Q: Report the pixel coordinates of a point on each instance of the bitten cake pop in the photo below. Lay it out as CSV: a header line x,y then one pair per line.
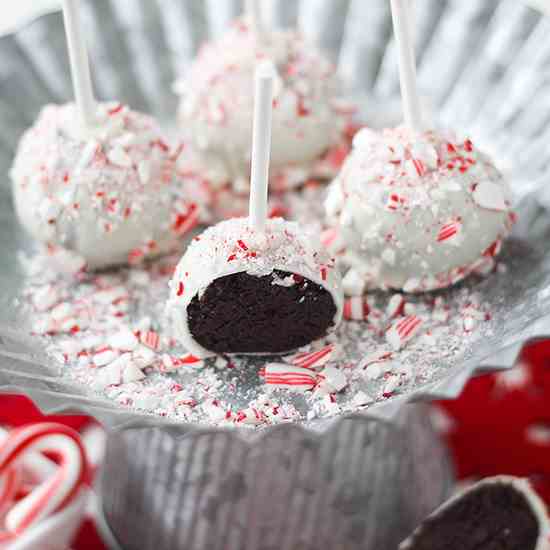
x,y
253,285
499,513
98,179
417,209
215,113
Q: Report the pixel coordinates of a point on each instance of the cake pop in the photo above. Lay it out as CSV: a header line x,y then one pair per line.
x,y
253,285
99,179
309,113
500,512
417,209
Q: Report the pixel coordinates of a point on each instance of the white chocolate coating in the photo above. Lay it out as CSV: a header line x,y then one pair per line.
x,y
110,196
418,212
233,247
216,108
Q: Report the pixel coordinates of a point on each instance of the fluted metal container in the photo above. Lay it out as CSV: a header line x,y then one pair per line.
x,y
361,484
365,480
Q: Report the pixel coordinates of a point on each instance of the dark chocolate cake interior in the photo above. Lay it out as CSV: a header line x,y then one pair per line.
x,y
242,313
493,517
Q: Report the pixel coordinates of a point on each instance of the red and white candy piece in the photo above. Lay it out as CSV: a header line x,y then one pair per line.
x,y
450,233
280,375
403,331
151,339
313,359
36,466
356,309
58,490
395,201
396,306
415,168
170,363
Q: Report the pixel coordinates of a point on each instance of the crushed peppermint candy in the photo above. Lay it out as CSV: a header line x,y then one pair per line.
x,y
124,349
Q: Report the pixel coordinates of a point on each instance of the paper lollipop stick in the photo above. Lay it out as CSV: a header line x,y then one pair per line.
x,y
261,144
254,12
80,68
402,24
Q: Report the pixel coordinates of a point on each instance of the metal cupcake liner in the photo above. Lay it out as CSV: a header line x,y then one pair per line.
x,y
360,479
364,483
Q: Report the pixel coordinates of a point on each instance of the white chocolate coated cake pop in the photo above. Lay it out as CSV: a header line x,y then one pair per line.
x,y
215,113
416,209
238,290
98,179
254,285
111,197
418,212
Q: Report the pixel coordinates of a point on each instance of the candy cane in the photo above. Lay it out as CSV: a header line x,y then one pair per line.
x,y
58,490
35,465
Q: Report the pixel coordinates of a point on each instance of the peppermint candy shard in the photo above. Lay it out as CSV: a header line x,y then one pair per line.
x,y
313,359
356,309
280,375
449,232
404,330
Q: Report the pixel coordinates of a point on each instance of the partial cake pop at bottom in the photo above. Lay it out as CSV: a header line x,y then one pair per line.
x,y
501,513
418,212
237,290
109,194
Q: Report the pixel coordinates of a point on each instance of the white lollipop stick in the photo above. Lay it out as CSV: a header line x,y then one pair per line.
x,y
402,24
254,12
80,67
58,490
261,144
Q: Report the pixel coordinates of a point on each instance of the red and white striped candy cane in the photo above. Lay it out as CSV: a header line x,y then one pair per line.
x,y
58,490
